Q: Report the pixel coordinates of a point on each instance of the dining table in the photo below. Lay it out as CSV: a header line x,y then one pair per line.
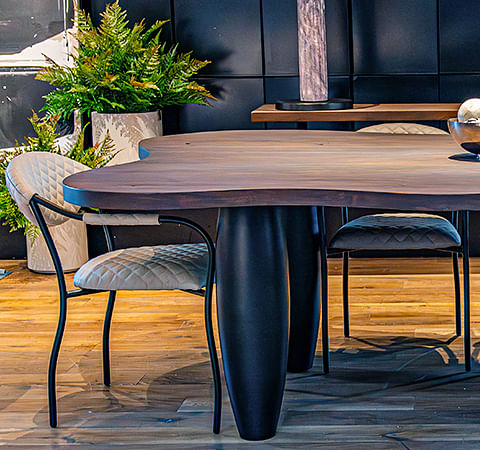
x,y
267,185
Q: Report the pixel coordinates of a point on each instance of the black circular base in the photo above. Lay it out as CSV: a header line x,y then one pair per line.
x,y
470,157
298,105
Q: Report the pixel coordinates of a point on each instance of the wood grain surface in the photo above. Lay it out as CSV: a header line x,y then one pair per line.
x,y
285,167
395,112
399,382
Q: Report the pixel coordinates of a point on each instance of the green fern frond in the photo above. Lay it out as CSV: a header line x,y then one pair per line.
x,y
109,56
152,35
97,156
84,22
114,24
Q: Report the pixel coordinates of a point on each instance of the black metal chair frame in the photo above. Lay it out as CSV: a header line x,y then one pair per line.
x,y
36,203
455,251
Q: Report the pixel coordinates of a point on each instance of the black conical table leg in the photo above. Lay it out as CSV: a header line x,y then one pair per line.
x,y
302,243
324,288
466,290
253,315
458,296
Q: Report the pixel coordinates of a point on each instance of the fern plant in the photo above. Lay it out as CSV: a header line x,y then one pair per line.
x,y
121,69
44,141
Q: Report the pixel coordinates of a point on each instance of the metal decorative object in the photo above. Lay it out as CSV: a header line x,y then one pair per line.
x,y
467,136
312,61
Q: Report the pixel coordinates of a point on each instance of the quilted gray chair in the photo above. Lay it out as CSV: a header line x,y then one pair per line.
x,y
401,128
35,182
399,231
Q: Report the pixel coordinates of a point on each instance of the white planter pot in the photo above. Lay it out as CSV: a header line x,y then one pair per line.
x,y
126,131
71,242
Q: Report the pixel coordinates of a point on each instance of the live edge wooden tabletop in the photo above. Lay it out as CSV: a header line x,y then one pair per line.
x,y
285,167
360,112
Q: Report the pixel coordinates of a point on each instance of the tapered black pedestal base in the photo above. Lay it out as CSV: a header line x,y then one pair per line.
x,y
302,243
253,315
298,105
252,301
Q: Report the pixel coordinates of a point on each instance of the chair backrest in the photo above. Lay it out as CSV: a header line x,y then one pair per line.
x,y
401,128
41,173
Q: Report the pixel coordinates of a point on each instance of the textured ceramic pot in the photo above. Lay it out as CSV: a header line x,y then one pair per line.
x,y
71,241
126,131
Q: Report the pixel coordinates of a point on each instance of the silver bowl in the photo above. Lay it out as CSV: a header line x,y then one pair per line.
x,y
466,135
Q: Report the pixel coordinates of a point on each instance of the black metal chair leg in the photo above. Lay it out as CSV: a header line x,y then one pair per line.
x,y
324,289
212,349
325,338
466,290
346,313
458,300
106,338
52,366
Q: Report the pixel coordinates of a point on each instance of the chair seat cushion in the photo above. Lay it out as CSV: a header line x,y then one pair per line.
x,y
146,268
401,128
396,232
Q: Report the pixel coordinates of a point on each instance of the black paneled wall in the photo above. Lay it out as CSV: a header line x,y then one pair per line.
x,y
378,51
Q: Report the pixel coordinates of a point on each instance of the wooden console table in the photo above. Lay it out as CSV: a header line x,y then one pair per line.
x,y
387,112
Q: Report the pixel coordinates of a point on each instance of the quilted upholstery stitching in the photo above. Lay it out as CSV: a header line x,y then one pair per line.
x,y
402,128
142,268
396,231
41,173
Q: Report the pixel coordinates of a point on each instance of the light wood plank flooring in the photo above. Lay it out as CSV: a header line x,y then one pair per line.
x,y
397,383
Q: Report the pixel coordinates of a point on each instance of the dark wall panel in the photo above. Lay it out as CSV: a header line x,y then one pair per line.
x,y
395,89
137,10
457,88
280,36
227,33
236,97
338,52
281,88
458,35
19,94
12,245
392,36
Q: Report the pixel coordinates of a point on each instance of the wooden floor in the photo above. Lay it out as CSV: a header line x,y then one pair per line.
x,y
398,383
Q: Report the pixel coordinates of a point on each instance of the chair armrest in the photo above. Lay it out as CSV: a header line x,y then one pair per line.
x,y
37,200
121,219
107,220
